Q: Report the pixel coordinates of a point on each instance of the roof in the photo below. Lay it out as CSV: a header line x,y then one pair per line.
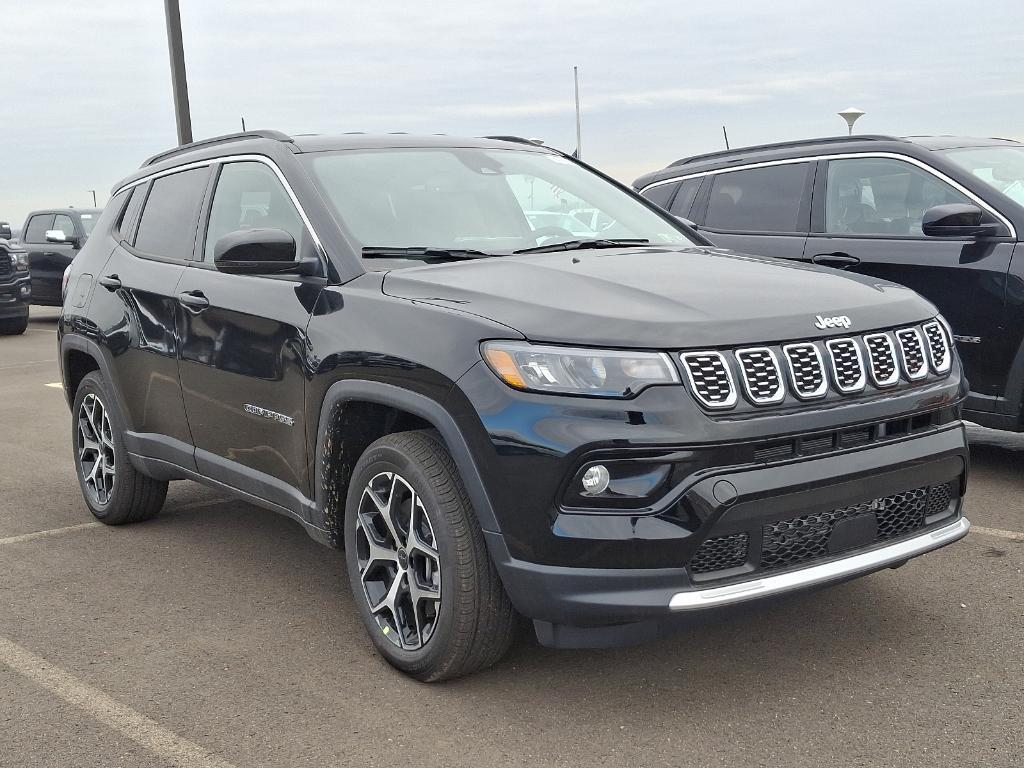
x,y
69,211
826,145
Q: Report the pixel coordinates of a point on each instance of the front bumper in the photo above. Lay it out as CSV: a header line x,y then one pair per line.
x,y
15,296
595,607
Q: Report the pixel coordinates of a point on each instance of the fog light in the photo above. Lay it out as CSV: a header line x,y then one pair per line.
x,y
596,480
25,290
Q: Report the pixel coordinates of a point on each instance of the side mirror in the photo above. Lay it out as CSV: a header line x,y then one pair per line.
x,y
56,236
260,252
957,220
5,231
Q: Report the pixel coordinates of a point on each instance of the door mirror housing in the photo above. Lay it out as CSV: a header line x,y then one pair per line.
x,y
957,220
5,231
260,252
56,236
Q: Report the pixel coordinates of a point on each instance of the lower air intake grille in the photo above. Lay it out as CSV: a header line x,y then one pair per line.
x,y
710,379
720,553
806,370
795,541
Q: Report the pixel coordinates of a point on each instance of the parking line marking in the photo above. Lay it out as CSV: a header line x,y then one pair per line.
x,y
136,726
1011,535
55,385
46,534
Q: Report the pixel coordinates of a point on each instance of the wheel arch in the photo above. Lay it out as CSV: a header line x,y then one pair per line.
x,y
418,412
78,357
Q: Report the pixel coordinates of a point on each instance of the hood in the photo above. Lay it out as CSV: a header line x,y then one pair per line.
x,y
659,298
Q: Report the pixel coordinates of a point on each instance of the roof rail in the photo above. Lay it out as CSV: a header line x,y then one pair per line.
x,y
515,139
264,134
783,145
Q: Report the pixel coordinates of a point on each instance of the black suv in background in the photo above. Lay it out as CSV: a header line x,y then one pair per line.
x,y
602,433
53,238
940,214
15,289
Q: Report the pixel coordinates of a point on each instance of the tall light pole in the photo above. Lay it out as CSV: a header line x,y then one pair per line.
x,y
576,84
850,115
179,84
93,191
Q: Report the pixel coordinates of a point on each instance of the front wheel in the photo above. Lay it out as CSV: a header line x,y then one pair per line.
x,y
13,326
422,579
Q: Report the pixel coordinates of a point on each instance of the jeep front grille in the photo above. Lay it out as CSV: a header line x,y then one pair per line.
x,y
884,367
847,365
768,374
912,354
760,373
710,379
806,371
938,346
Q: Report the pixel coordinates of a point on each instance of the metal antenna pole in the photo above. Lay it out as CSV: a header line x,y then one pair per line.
x,y
179,84
93,197
243,125
726,135
576,82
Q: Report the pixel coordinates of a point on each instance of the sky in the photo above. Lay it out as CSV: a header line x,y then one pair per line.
x,y
87,96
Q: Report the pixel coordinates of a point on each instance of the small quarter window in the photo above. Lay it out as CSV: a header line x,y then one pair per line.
x,y
684,199
759,199
660,194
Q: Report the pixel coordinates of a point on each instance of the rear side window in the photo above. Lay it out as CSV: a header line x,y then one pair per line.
x,y
168,225
758,200
661,194
684,200
35,232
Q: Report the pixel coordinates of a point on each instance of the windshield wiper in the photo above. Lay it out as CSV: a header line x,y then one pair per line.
x,y
575,245
387,252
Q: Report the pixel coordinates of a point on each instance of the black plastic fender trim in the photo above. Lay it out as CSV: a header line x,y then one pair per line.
x,y
419,405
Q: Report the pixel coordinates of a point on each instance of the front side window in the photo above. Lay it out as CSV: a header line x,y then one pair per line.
x,y
250,196
37,227
491,200
765,199
65,225
1002,168
168,224
882,196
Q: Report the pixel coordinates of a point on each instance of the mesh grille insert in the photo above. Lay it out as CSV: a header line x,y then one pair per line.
x,y
847,366
710,378
882,359
720,553
800,539
6,265
761,377
806,370
938,347
912,353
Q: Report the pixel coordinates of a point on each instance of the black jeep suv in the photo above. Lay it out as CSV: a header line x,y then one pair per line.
x,y
939,214
604,431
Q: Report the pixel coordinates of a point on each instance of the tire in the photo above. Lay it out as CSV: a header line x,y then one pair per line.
x,y
470,624
13,326
115,492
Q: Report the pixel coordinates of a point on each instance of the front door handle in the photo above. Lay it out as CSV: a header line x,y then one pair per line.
x,y
194,300
839,260
110,282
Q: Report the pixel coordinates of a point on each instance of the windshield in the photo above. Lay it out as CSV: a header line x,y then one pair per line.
x,y
488,200
1000,167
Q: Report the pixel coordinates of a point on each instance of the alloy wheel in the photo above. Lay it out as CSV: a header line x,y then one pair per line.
x,y
398,561
96,449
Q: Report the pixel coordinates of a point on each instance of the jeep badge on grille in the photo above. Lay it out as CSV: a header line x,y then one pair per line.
x,y
838,321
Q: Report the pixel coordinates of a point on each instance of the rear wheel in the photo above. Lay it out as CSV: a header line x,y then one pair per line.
x,y
114,490
13,326
422,579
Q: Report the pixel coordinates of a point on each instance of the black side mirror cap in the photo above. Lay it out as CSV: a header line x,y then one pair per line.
x,y
260,252
957,220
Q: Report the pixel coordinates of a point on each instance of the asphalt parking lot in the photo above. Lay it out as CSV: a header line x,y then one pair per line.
x,y
219,634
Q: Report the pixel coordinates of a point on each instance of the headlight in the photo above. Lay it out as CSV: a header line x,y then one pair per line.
x,y
20,260
595,372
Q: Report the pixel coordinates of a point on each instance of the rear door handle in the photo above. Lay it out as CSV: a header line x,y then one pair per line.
x,y
839,260
110,282
194,300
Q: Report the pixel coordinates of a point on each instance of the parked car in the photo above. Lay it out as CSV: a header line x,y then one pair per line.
x,y
53,238
603,435
940,214
15,289
5,231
